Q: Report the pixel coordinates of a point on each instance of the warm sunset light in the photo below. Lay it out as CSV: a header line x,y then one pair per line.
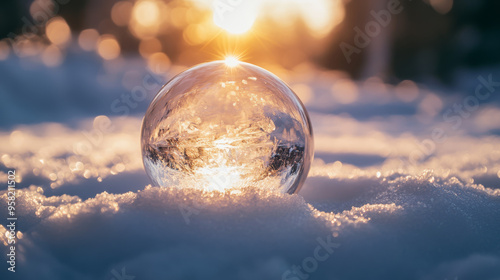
x,y
232,129
147,18
236,17
221,178
250,139
146,13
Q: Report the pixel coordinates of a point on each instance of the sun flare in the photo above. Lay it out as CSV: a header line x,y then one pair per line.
x,y
231,61
236,17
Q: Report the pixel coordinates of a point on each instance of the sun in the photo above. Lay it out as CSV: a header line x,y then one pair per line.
x,y
231,61
236,17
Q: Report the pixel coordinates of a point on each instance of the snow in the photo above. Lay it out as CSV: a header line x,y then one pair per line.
x,y
394,205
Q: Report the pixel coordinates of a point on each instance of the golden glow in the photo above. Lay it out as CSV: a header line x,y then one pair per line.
x,y
208,27
146,13
320,16
195,34
148,18
236,17
178,17
108,47
221,178
249,144
231,61
58,31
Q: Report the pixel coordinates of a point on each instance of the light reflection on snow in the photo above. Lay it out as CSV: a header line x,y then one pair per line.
x,y
391,190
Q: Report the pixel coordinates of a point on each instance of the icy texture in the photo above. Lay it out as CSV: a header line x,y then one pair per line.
x,y
219,126
194,234
436,218
431,224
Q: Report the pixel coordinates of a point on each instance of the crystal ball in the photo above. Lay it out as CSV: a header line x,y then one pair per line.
x,y
227,125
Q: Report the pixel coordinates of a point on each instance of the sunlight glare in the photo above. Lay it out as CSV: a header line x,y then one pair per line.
x,y
221,178
231,61
236,17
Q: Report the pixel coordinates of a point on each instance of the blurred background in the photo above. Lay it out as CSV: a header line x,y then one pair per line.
x,y
61,60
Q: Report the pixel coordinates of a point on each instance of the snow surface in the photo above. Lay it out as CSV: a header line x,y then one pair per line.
x,y
394,205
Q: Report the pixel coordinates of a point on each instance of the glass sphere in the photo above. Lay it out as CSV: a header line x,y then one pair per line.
x,y
227,125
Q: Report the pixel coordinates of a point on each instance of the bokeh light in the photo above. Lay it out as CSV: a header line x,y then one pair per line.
x,y
52,56
58,31
345,91
108,47
146,13
159,63
407,91
121,12
148,18
88,38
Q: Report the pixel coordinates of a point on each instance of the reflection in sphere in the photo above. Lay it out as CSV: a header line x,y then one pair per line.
x,y
224,126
